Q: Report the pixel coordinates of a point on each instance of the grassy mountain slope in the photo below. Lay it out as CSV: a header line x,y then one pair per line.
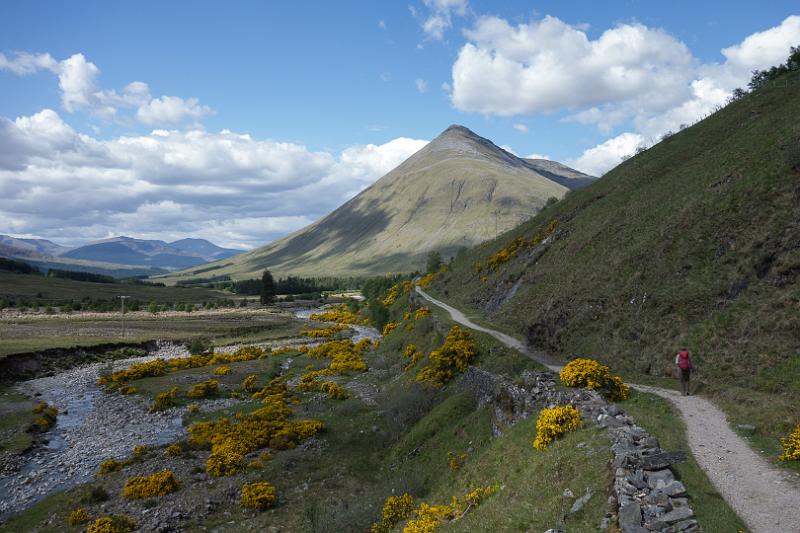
x,y
695,242
457,191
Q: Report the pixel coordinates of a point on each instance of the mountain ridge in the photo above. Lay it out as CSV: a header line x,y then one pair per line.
x,y
458,190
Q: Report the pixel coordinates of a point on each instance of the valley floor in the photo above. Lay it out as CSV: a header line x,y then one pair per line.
x,y
764,496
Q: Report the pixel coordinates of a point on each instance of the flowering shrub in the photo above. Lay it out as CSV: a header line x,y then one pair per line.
x,y
396,509
340,314
422,312
192,408
127,389
165,400
222,370
174,450
160,367
413,355
324,333
45,420
428,518
79,516
389,327
110,465
391,296
159,484
268,426
453,356
426,280
249,383
345,354
517,245
554,422
791,446
596,376
204,389
456,461
260,495
140,450
334,390
119,524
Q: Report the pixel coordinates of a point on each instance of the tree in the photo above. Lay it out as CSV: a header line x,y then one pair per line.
x,y
378,314
434,262
267,288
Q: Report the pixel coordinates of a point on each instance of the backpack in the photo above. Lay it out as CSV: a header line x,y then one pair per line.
x,y
683,361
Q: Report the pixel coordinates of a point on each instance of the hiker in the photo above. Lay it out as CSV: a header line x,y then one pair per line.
x,y
685,367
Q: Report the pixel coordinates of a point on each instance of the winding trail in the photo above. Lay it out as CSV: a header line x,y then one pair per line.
x,y
766,498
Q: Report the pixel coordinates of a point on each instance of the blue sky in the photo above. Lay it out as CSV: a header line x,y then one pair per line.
x,y
331,96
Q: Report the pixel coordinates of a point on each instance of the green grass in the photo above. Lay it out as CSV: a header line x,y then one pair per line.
x,y
661,420
53,291
28,334
15,416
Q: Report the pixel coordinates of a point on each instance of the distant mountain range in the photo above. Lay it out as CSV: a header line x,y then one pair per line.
x,y
118,256
457,191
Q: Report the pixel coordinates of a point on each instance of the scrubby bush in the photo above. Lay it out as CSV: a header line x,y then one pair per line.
x,y
456,461
249,383
110,465
389,327
596,376
174,450
428,518
165,400
791,446
395,510
204,389
333,390
222,370
452,357
199,346
159,484
259,495
554,422
79,516
117,524
45,420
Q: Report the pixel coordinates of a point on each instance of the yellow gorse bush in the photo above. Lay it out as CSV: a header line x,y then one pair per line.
x,y
554,422
45,420
259,495
204,389
456,461
222,370
515,247
174,450
160,367
389,327
158,484
79,516
395,510
324,333
268,426
165,400
340,314
413,355
119,524
428,518
426,280
791,446
452,357
249,383
422,312
596,376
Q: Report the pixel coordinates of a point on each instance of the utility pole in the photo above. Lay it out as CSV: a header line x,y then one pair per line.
x,y
122,303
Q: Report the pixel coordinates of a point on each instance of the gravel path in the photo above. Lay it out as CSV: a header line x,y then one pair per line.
x,y
766,498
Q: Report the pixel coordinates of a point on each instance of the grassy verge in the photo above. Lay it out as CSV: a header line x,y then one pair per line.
x,y
663,421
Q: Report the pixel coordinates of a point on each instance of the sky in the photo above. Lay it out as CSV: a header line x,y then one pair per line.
x,y
241,122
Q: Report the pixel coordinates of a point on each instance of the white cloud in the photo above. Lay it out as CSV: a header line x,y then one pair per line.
x,y
596,161
440,16
630,75
537,156
522,128
548,65
226,186
382,24
422,85
77,79
171,110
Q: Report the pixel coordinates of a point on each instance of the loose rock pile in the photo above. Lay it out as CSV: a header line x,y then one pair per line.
x,y
647,497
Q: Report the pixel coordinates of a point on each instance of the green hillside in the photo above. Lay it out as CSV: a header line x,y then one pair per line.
x,y
458,191
695,242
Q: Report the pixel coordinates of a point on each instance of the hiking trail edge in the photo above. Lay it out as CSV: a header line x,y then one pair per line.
x,y
765,498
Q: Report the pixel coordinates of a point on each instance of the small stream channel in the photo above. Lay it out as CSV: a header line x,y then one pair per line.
x,y
93,426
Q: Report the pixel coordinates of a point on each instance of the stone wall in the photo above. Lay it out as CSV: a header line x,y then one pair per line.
x,y
646,496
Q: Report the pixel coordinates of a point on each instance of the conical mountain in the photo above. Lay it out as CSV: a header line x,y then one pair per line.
x,y
458,190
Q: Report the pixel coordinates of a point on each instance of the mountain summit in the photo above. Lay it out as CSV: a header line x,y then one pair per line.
x,y
457,191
